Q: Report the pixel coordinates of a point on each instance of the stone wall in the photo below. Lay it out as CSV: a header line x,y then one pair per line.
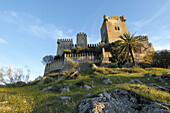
x,y
112,28
82,40
54,66
80,58
64,44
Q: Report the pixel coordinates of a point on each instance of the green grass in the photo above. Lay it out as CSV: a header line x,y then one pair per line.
x,y
32,99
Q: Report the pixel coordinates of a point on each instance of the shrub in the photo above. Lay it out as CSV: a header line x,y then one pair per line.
x,y
89,63
67,51
48,80
144,65
80,83
73,64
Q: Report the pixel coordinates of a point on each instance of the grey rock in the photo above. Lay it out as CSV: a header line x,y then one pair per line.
x,y
87,87
120,101
64,89
167,89
135,81
41,81
88,94
106,80
92,82
65,99
47,88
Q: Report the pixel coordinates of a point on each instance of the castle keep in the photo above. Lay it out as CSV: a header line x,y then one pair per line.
x,y
99,53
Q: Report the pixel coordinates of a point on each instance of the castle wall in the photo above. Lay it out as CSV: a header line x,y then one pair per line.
x,y
80,58
63,44
53,66
112,28
82,40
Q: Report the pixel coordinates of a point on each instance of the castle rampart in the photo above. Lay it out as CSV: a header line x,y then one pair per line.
x,y
80,58
81,40
63,44
53,66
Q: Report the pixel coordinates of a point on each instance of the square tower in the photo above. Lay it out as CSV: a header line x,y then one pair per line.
x,y
112,28
82,40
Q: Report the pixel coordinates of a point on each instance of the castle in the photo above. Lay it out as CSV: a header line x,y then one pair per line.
x,y
98,53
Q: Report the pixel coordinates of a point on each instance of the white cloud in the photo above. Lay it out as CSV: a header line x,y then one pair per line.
x,y
137,25
2,41
32,25
48,31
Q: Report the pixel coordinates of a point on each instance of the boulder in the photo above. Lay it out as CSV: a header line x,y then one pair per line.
x,y
167,89
87,87
120,101
164,79
106,80
47,88
65,99
64,89
135,81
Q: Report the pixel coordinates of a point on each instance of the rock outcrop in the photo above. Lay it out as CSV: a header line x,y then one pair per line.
x,y
120,101
106,80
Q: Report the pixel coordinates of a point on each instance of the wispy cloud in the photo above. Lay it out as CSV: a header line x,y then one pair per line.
x,y
33,25
139,24
2,41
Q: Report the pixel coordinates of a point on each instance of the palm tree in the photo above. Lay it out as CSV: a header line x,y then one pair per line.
x,y
128,45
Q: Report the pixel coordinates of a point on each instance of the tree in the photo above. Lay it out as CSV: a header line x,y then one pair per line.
x,y
47,59
117,57
128,45
161,59
12,76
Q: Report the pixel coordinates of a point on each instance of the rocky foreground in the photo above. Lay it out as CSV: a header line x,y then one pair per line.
x,y
121,101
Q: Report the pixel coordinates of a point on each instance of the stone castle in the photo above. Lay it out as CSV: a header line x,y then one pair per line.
x,y
98,53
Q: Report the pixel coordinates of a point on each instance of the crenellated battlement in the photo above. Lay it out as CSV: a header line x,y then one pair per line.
x,y
143,38
82,34
80,57
122,18
91,45
64,40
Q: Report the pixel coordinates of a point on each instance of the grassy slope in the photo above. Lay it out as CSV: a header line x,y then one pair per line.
x,y
32,99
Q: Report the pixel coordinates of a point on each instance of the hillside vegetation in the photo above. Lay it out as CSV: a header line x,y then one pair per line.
x,y
31,98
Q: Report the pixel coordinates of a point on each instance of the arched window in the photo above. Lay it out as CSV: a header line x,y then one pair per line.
x,y
118,28
115,28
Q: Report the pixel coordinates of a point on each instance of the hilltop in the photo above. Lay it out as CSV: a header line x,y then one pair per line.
x,y
149,88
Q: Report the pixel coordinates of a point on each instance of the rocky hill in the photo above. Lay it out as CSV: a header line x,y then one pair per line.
x,y
100,90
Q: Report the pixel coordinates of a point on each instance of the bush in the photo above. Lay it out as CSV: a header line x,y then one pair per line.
x,y
48,80
161,59
73,64
89,63
144,65
67,51
80,83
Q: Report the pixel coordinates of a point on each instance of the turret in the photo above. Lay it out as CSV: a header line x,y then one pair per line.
x,y
81,40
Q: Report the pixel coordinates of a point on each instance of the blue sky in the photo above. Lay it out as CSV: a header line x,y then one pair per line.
x,y
29,28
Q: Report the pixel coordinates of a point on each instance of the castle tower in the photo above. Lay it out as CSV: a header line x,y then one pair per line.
x,y
82,40
64,44
112,28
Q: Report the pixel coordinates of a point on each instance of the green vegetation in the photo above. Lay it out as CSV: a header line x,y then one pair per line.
x,y
76,49
67,51
126,47
33,99
161,59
